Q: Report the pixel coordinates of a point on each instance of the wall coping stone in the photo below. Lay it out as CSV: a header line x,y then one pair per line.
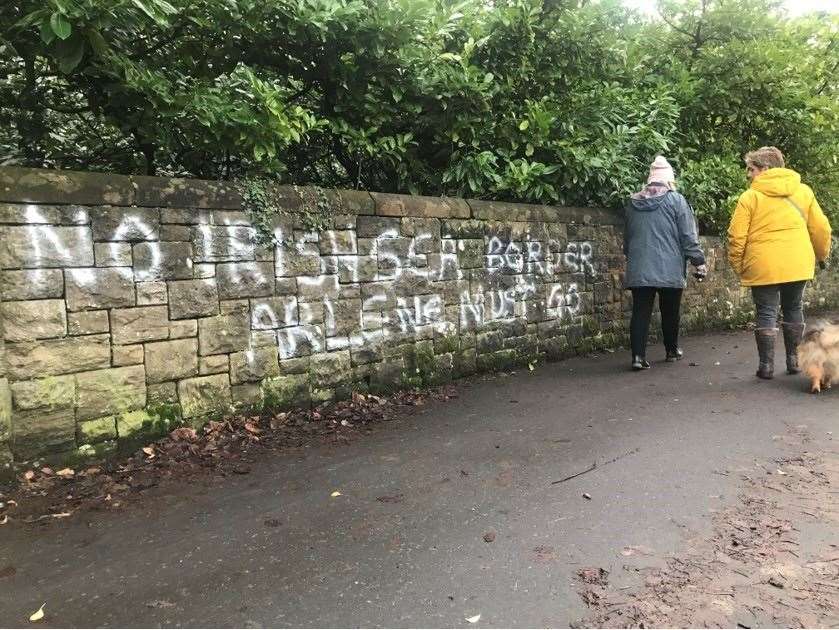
x,y
57,187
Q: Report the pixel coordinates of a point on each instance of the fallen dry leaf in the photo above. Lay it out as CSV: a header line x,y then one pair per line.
x,y
29,475
474,619
251,427
47,470
149,451
66,473
335,494
489,537
184,433
38,614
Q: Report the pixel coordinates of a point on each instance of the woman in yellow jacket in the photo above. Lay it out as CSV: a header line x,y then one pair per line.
x,y
776,235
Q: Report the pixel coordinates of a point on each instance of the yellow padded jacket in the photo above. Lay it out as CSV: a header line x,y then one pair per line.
x,y
769,240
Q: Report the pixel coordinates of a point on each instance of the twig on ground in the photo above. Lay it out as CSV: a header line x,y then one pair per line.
x,y
582,472
594,466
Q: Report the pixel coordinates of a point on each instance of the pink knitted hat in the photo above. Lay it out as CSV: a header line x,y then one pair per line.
x,y
661,171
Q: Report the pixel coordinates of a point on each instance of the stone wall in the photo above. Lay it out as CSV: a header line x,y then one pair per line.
x,y
129,304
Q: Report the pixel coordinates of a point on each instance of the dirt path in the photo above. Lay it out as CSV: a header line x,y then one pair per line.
x,y
772,559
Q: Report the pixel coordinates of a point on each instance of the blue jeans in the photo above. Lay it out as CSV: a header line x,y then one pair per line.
x,y
790,297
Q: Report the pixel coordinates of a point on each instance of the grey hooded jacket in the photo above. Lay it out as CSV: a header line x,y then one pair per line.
x,y
660,235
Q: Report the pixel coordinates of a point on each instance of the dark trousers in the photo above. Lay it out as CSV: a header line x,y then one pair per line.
x,y
790,297
669,303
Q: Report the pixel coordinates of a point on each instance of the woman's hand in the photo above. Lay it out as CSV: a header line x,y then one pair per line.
x,y
699,272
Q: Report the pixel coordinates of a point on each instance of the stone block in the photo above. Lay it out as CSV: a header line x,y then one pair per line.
x,y
246,396
470,253
98,430
57,356
213,364
234,307
465,228
45,246
29,214
317,288
169,192
357,268
300,341
33,319
285,286
185,216
365,349
378,227
64,187
125,224
342,317
88,323
183,328
394,252
74,215
51,393
162,261
171,360
330,369
181,233
127,355
149,293
338,242
274,312
112,391
297,259
214,243
421,229
38,432
490,341
244,280
138,324
193,298
112,254
263,338
377,296
97,288
204,270
286,391
391,205
204,395
351,202
299,365
224,334
161,394
31,284
310,312
253,365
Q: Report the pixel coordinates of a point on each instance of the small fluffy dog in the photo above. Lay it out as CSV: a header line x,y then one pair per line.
x,y
818,355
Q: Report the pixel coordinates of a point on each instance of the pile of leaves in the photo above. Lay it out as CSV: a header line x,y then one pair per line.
x,y
221,448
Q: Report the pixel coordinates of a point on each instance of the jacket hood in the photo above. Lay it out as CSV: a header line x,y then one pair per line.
x,y
777,182
647,204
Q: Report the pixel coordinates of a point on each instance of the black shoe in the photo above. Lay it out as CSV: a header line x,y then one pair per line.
x,y
640,363
674,355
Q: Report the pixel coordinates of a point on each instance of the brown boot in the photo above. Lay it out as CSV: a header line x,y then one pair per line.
x,y
765,338
792,337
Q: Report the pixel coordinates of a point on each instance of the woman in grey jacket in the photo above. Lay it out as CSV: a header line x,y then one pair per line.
x,y
660,235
